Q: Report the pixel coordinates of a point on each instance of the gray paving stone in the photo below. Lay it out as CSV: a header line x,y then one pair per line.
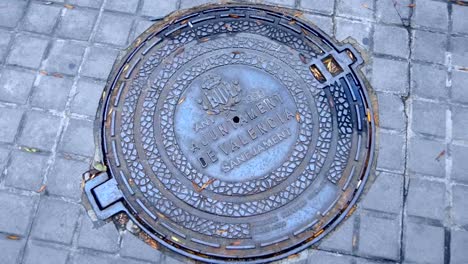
x,y
192,3
390,76
51,92
5,37
77,23
424,243
43,254
16,213
460,203
460,87
391,152
99,62
325,6
359,31
128,6
431,14
103,239
397,45
39,130
65,179
87,97
391,111
27,51
322,257
158,9
3,158
41,18
78,138
460,123
11,12
355,8
386,194
26,170
11,250
88,3
458,246
459,15
423,155
141,26
9,123
341,239
459,163
64,57
379,237
325,23
84,258
114,29
15,85
287,3
135,248
426,199
460,51
429,46
429,81
388,12
424,114
56,221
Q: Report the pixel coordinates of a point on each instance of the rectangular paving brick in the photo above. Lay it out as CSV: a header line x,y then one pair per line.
x,y
99,62
426,199
86,99
460,122
355,8
429,81
5,37
9,122
424,243
397,45
15,85
342,237
51,92
41,18
114,29
56,221
325,6
379,237
429,46
458,246
104,238
135,248
359,31
423,157
431,14
158,9
459,15
459,163
391,152
37,253
11,250
390,75
460,203
424,113
26,170
459,84
460,51
77,23
65,178
386,194
27,51
11,12
391,111
78,138
64,57
128,6
16,212
39,130
390,11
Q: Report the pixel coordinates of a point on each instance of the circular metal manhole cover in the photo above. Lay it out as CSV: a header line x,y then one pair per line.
x,y
234,133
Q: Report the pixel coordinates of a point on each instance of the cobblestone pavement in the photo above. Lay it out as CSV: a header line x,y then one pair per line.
x,y
54,60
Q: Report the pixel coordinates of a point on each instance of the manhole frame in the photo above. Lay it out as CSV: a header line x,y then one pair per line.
x,y
114,208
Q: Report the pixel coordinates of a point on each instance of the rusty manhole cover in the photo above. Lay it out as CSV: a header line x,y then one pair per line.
x,y
234,133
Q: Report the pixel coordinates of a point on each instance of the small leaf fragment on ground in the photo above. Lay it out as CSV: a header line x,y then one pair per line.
x,y
43,187
411,5
100,167
30,150
67,6
13,237
441,154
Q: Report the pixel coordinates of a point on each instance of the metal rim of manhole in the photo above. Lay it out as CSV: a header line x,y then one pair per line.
x,y
234,132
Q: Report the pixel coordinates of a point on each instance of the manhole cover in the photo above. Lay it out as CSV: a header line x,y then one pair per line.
x,y
234,133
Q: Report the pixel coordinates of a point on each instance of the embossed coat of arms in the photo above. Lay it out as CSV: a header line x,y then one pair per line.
x,y
219,95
